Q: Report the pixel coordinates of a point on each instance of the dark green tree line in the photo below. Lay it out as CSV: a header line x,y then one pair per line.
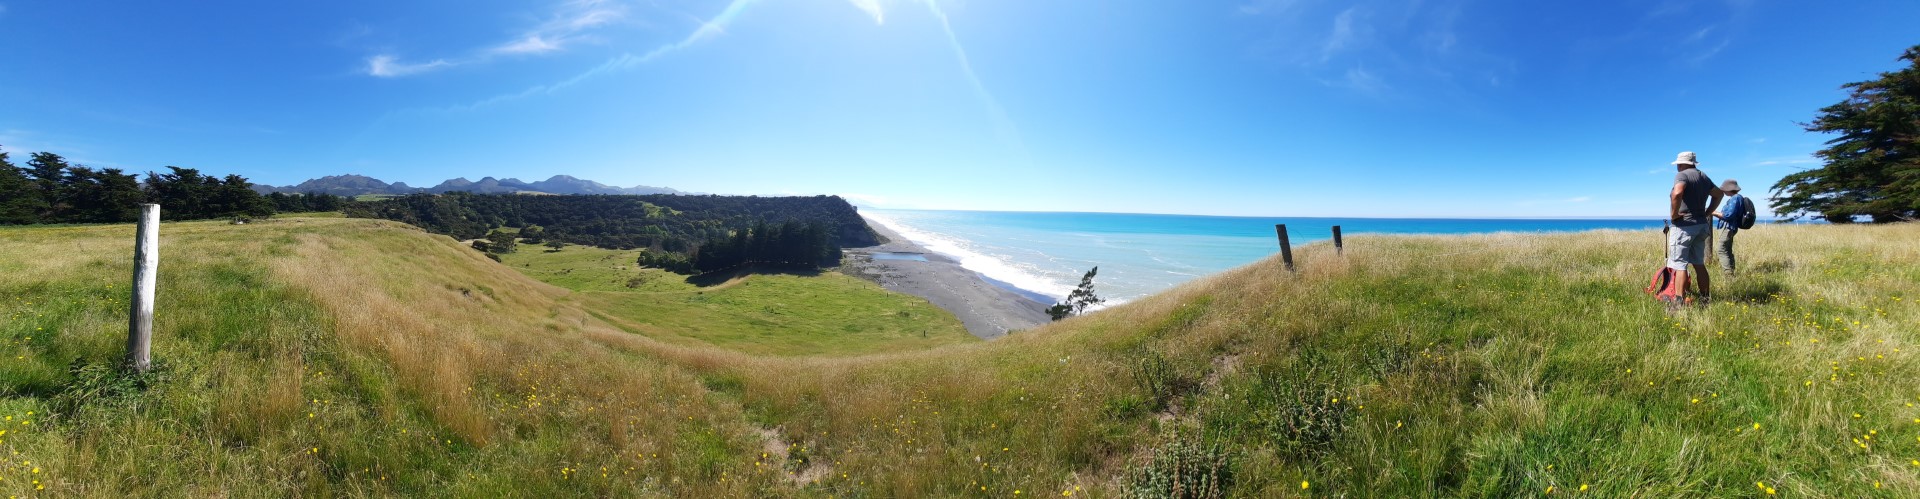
x,y
311,201
791,244
668,223
49,189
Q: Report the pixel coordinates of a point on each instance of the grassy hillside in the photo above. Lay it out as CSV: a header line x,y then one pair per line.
x,y
354,357
810,313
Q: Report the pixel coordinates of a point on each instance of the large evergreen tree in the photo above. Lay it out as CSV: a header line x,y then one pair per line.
x,y
1873,167
103,196
49,172
183,193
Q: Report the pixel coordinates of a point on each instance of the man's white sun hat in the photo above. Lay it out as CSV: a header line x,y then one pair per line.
x,y
1686,158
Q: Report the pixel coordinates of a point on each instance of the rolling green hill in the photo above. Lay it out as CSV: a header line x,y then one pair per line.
x,y
360,357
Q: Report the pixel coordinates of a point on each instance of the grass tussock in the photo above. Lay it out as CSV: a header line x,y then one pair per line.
x,y
352,357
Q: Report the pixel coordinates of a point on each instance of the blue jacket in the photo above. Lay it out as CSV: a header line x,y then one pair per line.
x,y
1729,209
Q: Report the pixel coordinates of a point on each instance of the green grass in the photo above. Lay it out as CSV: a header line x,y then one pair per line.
x,y
1496,365
586,268
776,313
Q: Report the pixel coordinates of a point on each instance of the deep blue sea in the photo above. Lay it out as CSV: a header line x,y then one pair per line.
x,y
1139,255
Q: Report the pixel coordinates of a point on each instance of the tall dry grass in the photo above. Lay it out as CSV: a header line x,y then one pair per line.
x,y
353,357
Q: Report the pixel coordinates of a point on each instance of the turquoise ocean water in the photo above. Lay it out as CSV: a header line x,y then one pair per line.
x,y
1046,253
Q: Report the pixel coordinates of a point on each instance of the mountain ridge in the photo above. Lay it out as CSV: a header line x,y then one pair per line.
x,y
356,185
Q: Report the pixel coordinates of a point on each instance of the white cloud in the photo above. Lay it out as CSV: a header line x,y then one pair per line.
x,y
872,8
388,66
568,24
1579,199
532,44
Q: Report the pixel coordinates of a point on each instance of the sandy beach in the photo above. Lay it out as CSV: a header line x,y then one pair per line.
x,y
988,311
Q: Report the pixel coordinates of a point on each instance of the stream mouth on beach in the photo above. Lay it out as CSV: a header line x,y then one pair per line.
x,y
899,255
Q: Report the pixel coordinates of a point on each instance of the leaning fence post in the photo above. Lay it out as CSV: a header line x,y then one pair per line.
x,y
1338,249
1286,248
146,264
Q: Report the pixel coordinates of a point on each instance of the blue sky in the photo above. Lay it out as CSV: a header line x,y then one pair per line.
x,y
1251,107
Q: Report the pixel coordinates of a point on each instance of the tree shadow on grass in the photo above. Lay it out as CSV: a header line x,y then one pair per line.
x,y
1770,266
719,277
1753,289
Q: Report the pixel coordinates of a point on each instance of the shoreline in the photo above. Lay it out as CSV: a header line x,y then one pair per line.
x,y
988,309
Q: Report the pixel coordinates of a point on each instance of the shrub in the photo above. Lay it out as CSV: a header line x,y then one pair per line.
x,y
1184,467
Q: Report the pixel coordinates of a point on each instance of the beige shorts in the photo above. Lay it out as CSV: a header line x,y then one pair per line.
x,y
1687,245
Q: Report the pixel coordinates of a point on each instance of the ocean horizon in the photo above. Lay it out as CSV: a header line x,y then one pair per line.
x,y
1044,254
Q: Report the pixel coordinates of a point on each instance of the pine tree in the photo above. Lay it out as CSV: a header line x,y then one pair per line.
x,y
1873,167
1077,301
21,200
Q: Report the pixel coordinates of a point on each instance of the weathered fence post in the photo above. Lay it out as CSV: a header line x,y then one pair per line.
x,y
1286,248
146,265
1338,249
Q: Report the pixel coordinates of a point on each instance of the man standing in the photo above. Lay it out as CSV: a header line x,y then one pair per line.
x,y
1726,223
1689,212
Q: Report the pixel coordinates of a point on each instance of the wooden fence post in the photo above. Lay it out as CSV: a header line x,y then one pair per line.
x,y
1338,249
1286,248
146,264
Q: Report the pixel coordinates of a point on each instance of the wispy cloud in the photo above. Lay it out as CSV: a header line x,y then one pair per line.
x,y
715,27
1003,125
569,24
706,30
1378,48
20,143
1578,199
386,66
1700,35
1358,78
1795,161
872,8
1342,36
3,9
1703,55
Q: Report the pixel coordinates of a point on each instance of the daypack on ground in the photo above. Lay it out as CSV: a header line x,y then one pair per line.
x,y
1670,286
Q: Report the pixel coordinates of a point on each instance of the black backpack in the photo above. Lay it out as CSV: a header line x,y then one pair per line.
x,y
1744,214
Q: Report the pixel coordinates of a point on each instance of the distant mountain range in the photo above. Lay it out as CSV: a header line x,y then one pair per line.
x,y
355,185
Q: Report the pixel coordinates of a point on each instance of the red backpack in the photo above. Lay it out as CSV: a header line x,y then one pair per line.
x,y
1670,286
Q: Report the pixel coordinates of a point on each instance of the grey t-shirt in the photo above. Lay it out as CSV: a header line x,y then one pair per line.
x,y
1693,201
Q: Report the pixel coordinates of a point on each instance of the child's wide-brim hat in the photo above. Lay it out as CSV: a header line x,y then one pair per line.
x,y
1730,185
